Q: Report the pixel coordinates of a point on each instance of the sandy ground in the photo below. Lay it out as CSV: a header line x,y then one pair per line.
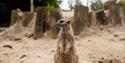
x,y
91,46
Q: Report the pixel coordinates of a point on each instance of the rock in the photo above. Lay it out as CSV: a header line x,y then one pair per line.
x,y
52,51
123,39
17,39
23,56
116,35
8,46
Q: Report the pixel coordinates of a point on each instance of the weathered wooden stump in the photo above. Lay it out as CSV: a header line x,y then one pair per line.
x,y
22,18
81,14
28,16
13,17
124,10
116,13
122,16
101,17
92,18
40,22
45,21
114,16
53,16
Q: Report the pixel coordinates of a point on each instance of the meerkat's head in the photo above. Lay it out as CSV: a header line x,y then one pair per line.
x,y
64,24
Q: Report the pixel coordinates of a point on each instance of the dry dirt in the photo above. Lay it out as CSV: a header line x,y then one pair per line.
x,y
92,45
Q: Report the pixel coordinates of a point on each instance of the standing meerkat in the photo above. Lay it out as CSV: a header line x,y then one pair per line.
x,y
65,52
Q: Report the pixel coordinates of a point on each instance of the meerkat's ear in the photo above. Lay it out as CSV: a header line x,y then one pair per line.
x,y
68,22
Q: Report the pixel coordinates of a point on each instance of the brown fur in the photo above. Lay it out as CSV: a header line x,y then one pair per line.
x,y
65,46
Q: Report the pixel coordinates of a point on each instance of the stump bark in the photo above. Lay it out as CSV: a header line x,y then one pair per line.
x,y
81,21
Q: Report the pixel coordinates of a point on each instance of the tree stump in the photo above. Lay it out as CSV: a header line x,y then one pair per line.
x,y
40,22
101,17
28,17
124,13
13,17
122,16
45,21
53,16
114,15
81,14
92,18
25,18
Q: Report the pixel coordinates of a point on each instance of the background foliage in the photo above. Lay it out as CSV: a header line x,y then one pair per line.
x,y
97,5
122,2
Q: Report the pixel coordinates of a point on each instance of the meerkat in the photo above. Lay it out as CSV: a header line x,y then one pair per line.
x,y
65,52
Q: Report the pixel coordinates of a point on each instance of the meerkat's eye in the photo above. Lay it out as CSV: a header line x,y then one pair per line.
x,y
68,22
61,21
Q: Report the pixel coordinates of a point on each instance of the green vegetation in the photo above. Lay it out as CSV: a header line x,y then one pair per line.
x,y
52,4
47,3
121,2
97,5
